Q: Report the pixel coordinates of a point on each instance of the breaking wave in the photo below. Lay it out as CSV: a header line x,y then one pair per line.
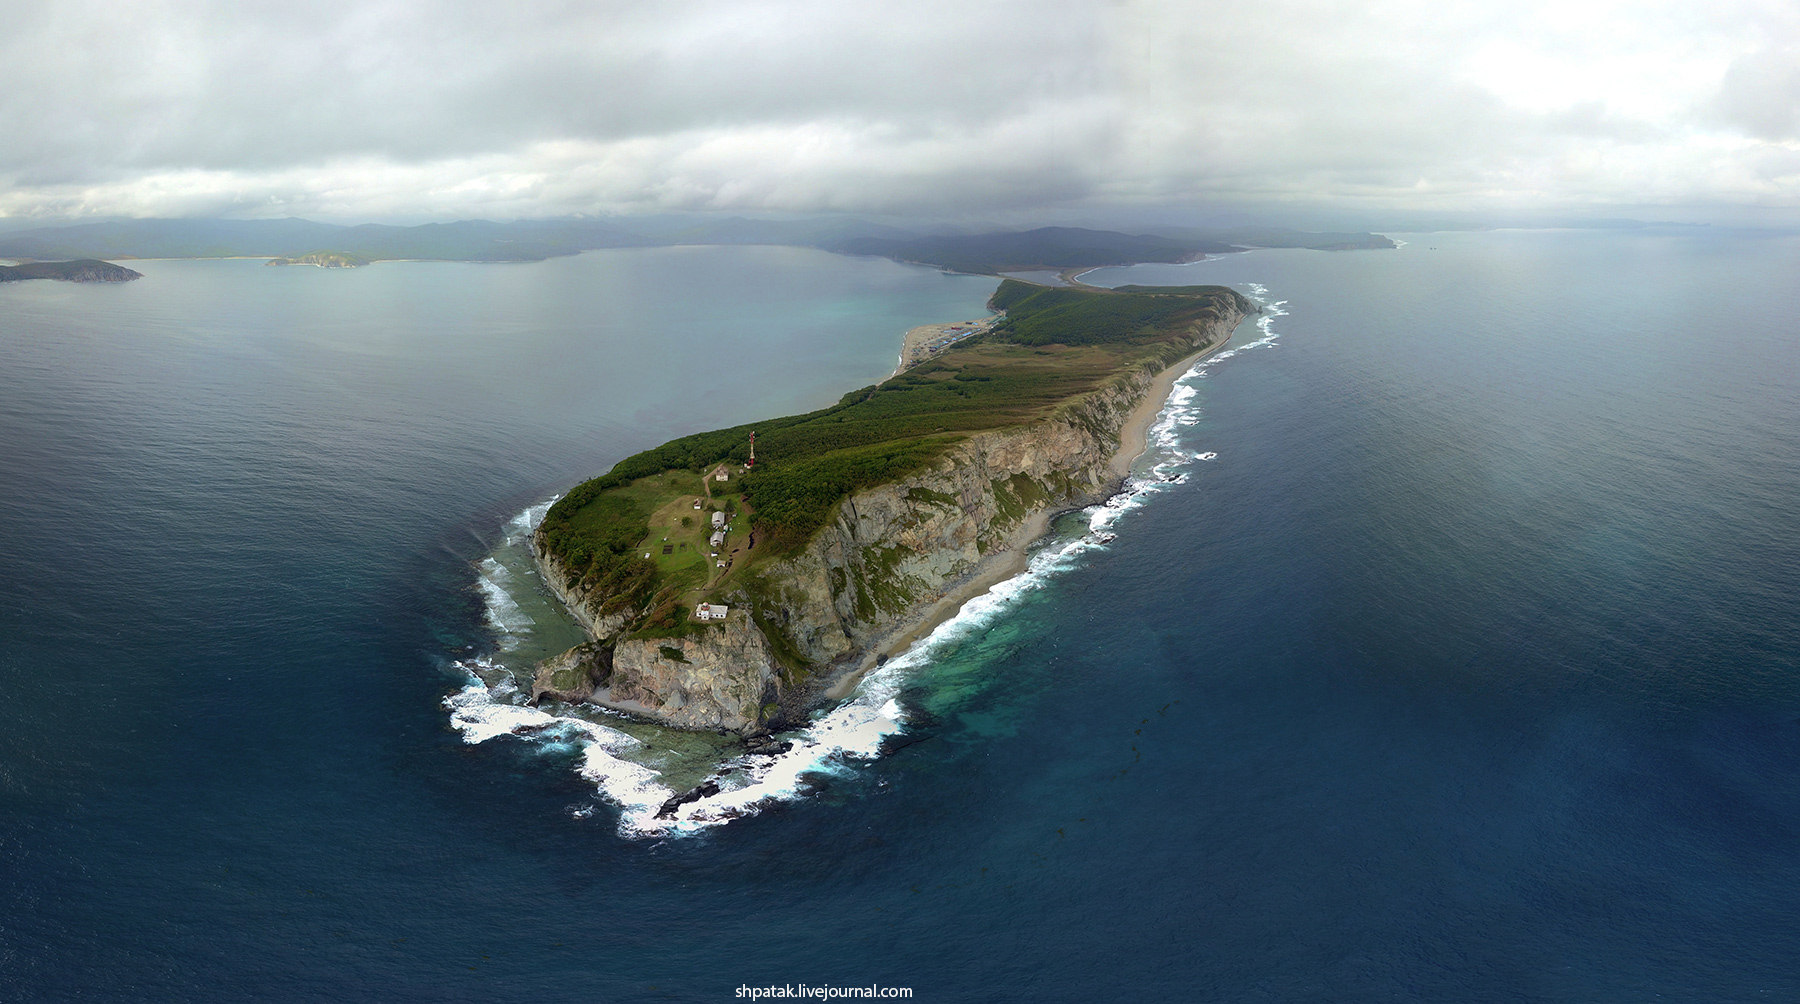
x,y
630,773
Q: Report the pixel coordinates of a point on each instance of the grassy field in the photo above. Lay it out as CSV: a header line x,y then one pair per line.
x,y
1053,345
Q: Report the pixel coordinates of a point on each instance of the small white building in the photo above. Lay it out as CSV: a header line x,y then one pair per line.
x,y
711,612
718,537
722,475
718,520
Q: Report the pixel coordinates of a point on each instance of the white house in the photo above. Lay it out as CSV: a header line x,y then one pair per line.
x,y
718,520
711,612
718,537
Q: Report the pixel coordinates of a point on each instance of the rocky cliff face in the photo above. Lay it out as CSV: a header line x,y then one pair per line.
x,y
725,677
869,575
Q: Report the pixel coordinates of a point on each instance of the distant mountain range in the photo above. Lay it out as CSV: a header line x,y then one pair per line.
x,y
1281,237
1076,247
1044,248
535,240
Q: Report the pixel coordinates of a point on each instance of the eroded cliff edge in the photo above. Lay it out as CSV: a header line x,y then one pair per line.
x,y
869,577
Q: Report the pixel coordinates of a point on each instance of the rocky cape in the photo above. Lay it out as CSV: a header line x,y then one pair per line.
x,y
868,581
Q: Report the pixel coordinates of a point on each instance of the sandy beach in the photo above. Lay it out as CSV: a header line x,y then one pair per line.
x,y
1134,436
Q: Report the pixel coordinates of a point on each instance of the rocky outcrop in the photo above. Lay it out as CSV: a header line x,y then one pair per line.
x,y
705,789
887,556
573,675
723,676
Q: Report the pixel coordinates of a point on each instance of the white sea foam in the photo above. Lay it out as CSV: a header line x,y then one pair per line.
x,y
498,584
503,611
837,740
482,711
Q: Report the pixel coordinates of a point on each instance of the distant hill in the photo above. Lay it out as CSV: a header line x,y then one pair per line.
x,y
468,240
83,270
1043,248
1281,237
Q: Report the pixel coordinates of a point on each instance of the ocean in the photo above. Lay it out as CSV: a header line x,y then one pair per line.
x,y
1443,646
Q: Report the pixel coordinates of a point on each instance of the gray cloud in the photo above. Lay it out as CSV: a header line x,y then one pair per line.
x,y
1761,94
382,109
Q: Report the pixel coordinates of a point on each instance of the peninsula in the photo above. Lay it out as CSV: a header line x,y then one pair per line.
x,y
727,580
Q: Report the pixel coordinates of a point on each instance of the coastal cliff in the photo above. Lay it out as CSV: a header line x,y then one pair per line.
x,y
886,561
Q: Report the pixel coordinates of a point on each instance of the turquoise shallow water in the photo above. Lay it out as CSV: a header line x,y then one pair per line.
x,y
1463,670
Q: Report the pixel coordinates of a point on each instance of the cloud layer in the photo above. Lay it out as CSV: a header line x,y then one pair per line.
x,y
387,110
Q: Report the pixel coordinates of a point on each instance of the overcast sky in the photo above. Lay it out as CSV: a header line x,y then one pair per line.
x,y
965,109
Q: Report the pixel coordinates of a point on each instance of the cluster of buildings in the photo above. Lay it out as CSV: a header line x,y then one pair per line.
x,y
954,333
717,611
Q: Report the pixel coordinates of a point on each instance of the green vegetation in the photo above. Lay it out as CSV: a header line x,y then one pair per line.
x,y
1053,346
1016,496
930,497
1036,315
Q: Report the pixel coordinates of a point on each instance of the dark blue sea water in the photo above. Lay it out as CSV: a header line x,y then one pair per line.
x,y
1464,671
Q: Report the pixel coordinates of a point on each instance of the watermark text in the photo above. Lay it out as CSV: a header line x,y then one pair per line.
x,y
807,990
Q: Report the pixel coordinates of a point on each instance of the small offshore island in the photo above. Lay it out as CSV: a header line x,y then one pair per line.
x,y
323,259
80,270
732,580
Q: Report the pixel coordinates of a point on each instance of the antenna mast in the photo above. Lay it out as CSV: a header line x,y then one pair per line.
x,y
752,461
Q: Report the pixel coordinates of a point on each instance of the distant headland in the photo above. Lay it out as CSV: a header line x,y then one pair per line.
x,y
80,270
